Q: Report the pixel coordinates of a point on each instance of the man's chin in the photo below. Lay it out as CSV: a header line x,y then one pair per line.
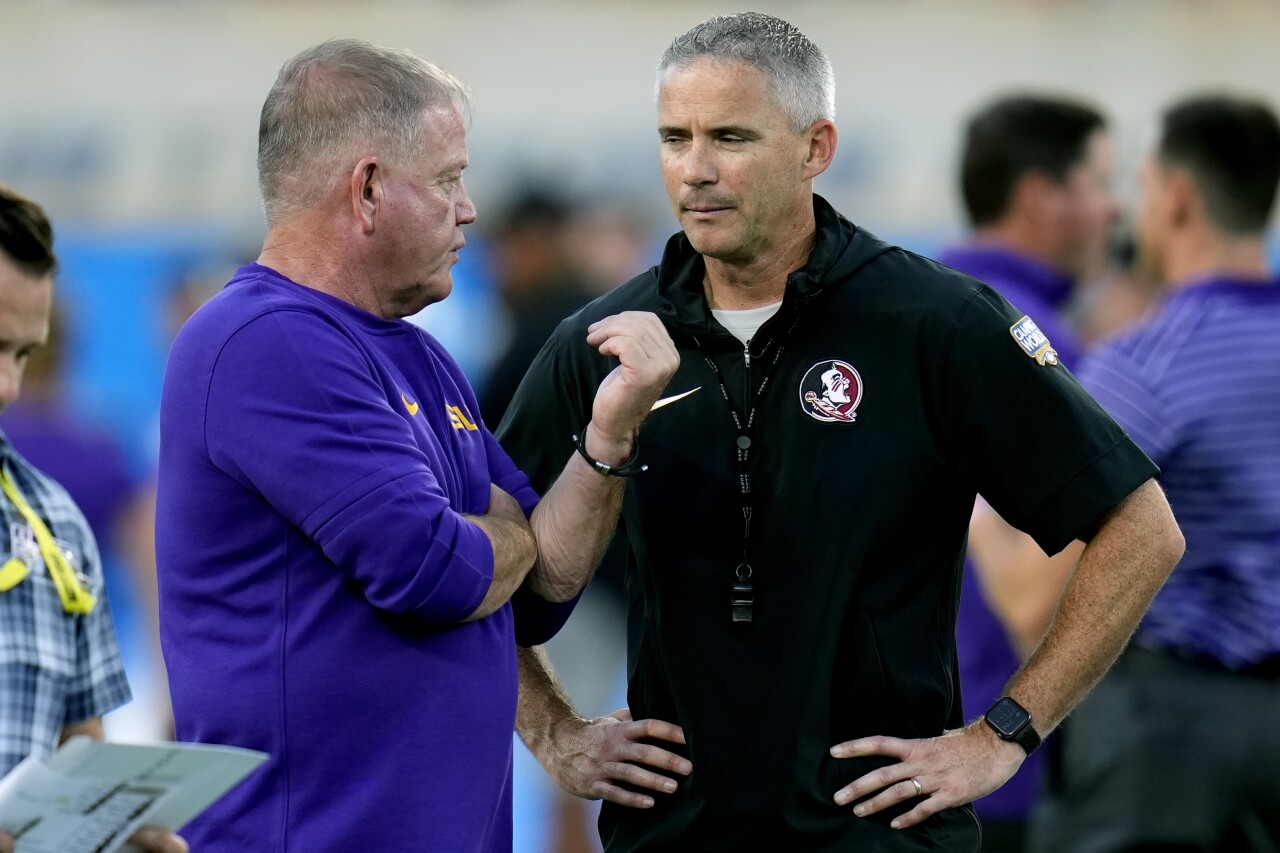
x,y
422,297
712,245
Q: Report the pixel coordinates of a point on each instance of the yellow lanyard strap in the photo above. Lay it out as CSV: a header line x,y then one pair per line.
x,y
75,598
12,573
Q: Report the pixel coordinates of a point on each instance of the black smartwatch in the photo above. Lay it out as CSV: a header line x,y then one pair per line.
x,y
1011,722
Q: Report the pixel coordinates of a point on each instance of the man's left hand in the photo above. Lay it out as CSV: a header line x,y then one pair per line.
x,y
956,768
647,359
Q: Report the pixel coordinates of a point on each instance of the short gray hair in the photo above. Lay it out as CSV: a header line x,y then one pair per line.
x,y
798,71
333,97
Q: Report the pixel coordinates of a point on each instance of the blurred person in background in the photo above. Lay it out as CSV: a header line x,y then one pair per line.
x,y
193,283
1177,748
347,558
1120,298
45,426
1036,177
537,283
537,286
607,242
551,257
59,663
787,610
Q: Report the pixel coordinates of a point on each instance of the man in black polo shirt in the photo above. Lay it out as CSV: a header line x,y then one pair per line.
x,y
796,542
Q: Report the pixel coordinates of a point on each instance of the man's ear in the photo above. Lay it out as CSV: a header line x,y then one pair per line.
x,y
1034,197
822,148
367,192
1182,200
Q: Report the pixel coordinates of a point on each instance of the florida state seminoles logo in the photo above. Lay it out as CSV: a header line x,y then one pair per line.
x,y
830,392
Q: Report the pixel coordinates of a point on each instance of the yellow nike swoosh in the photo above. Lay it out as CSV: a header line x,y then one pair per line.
x,y
666,401
411,408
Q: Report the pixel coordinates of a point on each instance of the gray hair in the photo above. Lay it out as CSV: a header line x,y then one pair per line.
x,y
334,97
798,71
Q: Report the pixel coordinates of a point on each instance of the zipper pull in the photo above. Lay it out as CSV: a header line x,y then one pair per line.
x,y
746,353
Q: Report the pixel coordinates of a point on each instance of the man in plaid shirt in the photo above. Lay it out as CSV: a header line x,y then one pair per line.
x,y
60,669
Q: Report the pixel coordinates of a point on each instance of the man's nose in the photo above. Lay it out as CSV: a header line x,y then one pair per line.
x,y
465,209
699,164
10,380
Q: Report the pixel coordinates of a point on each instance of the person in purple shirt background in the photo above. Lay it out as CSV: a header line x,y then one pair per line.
x,y
45,425
347,559
1178,746
48,426
1036,177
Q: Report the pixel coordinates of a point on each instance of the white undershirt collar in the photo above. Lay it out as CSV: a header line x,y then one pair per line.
x,y
745,322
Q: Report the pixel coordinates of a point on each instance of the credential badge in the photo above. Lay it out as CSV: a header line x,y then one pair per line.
x,y
830,392
23,544
1033,341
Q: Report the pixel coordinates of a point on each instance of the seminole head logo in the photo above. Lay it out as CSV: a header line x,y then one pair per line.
x,y
830,392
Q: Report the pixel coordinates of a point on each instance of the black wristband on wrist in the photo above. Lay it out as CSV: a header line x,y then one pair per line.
x,y
627,469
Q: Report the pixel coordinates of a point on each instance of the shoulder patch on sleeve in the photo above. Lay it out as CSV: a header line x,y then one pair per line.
x,y
1033,341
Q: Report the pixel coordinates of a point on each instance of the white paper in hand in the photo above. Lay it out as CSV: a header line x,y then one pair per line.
x,y
89,797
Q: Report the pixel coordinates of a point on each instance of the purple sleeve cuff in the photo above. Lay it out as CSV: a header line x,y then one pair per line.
x,y
509,478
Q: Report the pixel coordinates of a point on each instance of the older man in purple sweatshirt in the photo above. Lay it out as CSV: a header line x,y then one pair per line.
x,y
347,558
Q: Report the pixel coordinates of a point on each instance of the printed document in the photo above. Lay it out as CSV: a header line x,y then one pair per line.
x,y
89,797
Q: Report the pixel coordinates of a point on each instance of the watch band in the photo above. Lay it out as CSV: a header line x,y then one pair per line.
x,y
1011,722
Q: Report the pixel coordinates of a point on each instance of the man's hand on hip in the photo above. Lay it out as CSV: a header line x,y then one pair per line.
x,y
587,758
956,768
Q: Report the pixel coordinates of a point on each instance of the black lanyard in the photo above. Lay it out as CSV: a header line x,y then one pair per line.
x,y
743,597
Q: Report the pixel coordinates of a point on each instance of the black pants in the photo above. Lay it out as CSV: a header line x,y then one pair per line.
x,y
1004,836
1166,755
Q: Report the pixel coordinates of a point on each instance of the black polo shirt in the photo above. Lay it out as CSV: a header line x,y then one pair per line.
x,y
886,393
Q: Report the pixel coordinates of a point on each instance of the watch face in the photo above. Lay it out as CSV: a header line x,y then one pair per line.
x,y
1007,717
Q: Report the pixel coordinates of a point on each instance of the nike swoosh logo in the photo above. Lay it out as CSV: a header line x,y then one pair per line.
x,y
411,408
667,401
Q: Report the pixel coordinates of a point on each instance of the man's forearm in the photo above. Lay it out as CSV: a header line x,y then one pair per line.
x,y
513,549
1020,583
543,702
575,521
512,558
576,518
1119,573
591,758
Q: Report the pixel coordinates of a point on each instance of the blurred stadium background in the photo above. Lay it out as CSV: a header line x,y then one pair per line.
x,y
135,124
